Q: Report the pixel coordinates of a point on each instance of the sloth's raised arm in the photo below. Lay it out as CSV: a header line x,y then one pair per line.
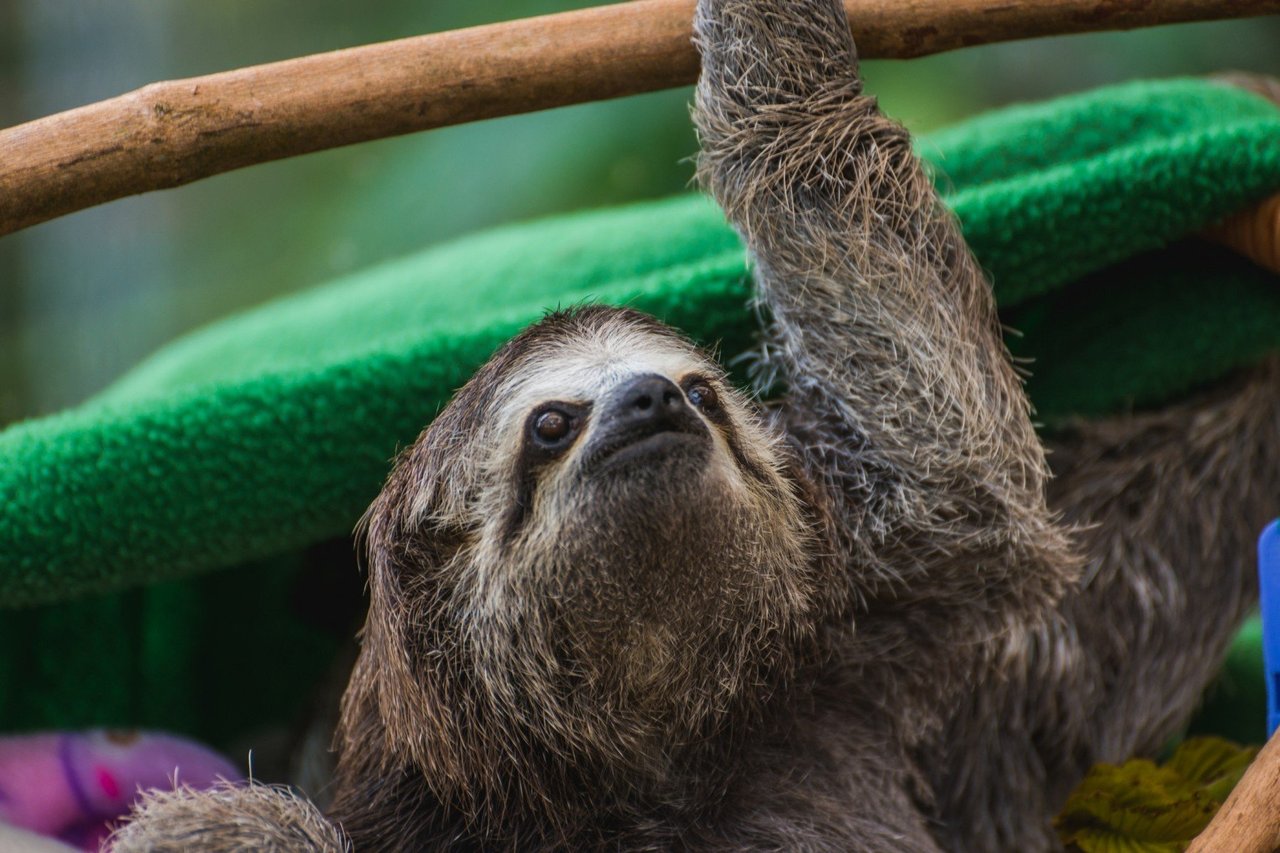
x,y
886,333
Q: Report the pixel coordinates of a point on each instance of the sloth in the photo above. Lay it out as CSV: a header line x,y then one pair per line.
x,y
616,603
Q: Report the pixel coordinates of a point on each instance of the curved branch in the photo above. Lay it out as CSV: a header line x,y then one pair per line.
x,y
168,134
1249,821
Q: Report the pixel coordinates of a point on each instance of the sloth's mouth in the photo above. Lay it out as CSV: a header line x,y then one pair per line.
x,y
647,447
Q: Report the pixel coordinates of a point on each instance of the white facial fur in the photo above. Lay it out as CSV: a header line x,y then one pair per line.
x,y
586,368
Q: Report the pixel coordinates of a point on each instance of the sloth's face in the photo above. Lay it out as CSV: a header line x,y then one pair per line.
x,y
635,505
625,428
599,524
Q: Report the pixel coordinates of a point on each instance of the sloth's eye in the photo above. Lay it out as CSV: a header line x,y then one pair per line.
x,y
552,426
704,397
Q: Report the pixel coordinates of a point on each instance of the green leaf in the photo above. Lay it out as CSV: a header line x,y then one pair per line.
x,y
1139,807
1213,764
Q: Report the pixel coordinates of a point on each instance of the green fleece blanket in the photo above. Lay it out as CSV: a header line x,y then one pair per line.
x,y
239,446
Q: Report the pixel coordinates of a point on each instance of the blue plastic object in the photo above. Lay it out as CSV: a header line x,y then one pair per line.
x,y
1269,581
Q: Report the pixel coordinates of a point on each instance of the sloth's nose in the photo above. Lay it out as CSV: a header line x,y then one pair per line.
x,y
647,418
651,400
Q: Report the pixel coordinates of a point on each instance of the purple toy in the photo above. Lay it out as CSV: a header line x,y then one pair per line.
x,y
73,786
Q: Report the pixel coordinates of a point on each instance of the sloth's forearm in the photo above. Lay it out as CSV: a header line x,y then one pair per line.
x,y
885,322
886,329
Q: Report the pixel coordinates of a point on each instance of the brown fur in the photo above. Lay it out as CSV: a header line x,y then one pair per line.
x,y
227,819
1172,502
859,621
549,719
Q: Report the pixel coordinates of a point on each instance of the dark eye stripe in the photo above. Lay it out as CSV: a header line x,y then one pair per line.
x,y
538,452
712,409
719,416
552,428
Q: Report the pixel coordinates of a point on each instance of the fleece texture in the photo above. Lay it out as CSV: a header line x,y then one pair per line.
x,y
238,447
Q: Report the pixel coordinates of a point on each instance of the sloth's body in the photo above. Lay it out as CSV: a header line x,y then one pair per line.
x,y
614,605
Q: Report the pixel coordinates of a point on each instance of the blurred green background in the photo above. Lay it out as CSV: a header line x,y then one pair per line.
x,y
85,297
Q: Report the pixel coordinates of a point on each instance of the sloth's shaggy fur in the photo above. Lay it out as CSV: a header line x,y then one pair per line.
x,y
227,818
552,643
865,619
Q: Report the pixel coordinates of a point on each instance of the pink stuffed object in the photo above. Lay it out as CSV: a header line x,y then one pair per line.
x,y
72,786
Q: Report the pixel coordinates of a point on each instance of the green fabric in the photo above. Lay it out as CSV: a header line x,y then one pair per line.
x,y
271,431
1236,706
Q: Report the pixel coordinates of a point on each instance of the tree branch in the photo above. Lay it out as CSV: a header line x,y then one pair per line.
x,y
168,134
1249,821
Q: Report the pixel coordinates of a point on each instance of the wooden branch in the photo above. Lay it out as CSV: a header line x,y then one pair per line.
x,y
1255,231
169,134
1249,821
